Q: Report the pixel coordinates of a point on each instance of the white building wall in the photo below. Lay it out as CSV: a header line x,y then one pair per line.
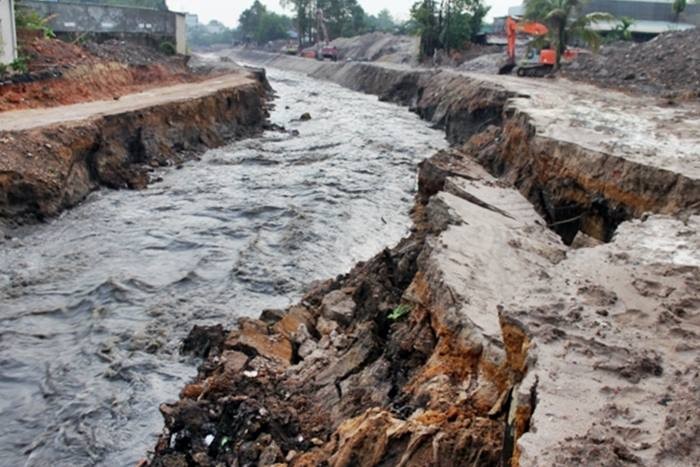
x,y
8,37
180,34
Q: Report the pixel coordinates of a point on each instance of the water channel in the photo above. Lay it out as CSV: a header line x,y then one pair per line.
x,y
94,304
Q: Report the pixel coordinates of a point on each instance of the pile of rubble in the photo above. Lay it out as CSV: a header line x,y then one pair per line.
x,y
667,66
60,73
378,46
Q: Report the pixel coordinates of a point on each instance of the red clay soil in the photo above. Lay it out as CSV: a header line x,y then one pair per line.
x,y
61,73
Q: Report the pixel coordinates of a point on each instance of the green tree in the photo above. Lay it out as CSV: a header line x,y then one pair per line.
x,y
343,18
678,7
424,15
450,26
622,31
382,22
260,25
566,23
213,33
304,15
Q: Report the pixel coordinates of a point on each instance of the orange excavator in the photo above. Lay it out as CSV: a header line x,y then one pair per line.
x,y
325,49
536,63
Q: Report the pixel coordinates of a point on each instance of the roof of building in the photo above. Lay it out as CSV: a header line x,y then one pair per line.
x,y
643,27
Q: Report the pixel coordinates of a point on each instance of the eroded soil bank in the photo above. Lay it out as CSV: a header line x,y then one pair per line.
x,y
52,158
587,159
482,338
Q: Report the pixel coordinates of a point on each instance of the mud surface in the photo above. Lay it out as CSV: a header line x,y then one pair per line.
x,y
96,303
667,66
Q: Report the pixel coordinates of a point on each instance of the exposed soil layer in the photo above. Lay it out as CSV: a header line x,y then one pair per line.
x,y
585,162
481,339
478,340
61,73
49,167
668,66
337,379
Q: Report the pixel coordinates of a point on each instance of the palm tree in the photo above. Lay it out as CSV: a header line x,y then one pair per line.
x,y
566,22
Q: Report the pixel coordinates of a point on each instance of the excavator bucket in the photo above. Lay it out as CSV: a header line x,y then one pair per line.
x,y
507,68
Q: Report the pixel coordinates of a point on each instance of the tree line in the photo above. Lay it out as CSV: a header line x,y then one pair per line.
x,y
447,24
257,24
344,18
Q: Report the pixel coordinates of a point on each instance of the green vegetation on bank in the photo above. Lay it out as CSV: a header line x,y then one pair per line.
x,y
344,18
257,24
566,23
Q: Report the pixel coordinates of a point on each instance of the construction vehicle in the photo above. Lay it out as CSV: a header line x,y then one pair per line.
x,y
290,49
324,50
537,62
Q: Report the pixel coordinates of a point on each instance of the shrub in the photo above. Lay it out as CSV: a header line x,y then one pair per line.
x,y
168,48
20,64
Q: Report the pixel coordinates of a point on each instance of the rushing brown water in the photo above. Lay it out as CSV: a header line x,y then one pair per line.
x,y
94,304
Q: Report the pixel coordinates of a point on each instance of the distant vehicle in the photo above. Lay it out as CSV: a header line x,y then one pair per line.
x,y
290,49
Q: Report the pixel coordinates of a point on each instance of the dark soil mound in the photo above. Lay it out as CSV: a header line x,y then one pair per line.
x,y
668,65
125,52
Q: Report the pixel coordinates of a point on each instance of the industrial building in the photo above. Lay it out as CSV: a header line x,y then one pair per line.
x,y
107,21
650,17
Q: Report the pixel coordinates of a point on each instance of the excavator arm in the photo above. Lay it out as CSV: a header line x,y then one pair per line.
x,y
513,28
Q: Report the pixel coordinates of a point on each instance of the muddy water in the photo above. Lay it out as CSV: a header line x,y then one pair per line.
x,y
93,305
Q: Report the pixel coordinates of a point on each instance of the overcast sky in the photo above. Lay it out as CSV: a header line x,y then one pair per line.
x,y
227,11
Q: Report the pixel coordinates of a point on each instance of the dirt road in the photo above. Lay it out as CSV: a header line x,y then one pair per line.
x,y
29,119
640,129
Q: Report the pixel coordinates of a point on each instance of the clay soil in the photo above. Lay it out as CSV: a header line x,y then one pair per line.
x,y
61,73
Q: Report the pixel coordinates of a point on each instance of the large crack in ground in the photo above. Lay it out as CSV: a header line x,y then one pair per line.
x,y
481,339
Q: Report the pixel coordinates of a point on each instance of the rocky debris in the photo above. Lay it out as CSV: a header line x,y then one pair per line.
x,y
305,117
127,53
378,46
338,306
368,390
501,316
668,66
488,63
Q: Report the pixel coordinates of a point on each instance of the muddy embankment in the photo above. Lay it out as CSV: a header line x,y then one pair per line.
x,y
46,169
481,339
573,187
